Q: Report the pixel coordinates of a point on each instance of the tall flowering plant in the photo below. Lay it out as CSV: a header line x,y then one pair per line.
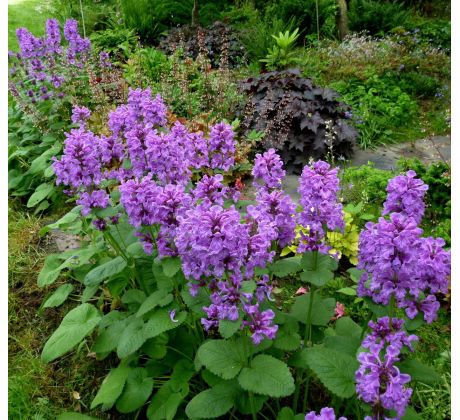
x,y
179,277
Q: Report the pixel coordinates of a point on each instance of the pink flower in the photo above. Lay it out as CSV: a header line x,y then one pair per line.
x,y
301,291
339,310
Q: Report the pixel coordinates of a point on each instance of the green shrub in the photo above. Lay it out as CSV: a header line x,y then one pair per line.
x,y
381,107
119,42
418,84
365,184
282,55
376,17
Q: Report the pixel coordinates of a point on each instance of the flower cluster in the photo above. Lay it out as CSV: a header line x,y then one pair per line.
x,y
319,186
378,381
405,196
408,267
44,66
326,413
268,170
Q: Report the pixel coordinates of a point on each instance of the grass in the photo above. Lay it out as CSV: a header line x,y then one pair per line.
x,y
37,390
31,14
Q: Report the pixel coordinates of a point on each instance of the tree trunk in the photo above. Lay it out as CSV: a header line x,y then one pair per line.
x,y
342,19
195,17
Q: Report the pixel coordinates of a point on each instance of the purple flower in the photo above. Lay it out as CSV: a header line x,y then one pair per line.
x,y
222,147
268,170
378,381
80,114
405,267
104,60
99,224
278,210
319,186
405,196
80,163
211,241
210,190
53,36
77,44
95,199
260,323
326,413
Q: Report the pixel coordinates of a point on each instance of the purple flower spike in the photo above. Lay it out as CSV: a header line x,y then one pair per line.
x,y
319,186
222,147
326,413
405,196
268,170
80,115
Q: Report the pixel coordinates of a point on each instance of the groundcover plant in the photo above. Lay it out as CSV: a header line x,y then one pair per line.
x,y
176,279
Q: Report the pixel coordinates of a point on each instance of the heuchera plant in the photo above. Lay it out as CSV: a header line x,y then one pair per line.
x,y
179,277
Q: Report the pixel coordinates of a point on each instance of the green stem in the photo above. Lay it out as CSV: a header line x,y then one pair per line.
x,y
253,407
305,395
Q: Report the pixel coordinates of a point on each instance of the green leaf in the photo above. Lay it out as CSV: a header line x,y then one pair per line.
x,y
224,358
75,326
155,299
347,327
155,347
377,309
286,266
196,303
322,311
267,376
419,371
411,414
212,403
98,274
111,387
317,268
286,413
334,369
41,192
59,296
227,328
132,338
75,416
244,405
108,339
160,322
349,291
413,324
287,337
136,392
170,266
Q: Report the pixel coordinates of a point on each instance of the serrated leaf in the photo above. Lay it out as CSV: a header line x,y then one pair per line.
x,y
155,347
419,371
317,268
136,391
102,272
286,413
318,278
132,338
222,357
334,369
75,326
286,266
267,376
171,266
111,387
161,321
154,300
212,403
59,296
227,328
347,327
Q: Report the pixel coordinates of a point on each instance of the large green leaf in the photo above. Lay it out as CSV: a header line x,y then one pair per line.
x,y
108,339
224,358
160,321
160,297
418,371
317,268
212,403
132,338
267,376
322,311
59,296
75,416
111,387
75,326
41,192
334,369
98,274
136,392
347,338
170,266
286,266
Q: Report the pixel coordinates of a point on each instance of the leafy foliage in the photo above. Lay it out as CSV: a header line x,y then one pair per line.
x,y
294,115
282,55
